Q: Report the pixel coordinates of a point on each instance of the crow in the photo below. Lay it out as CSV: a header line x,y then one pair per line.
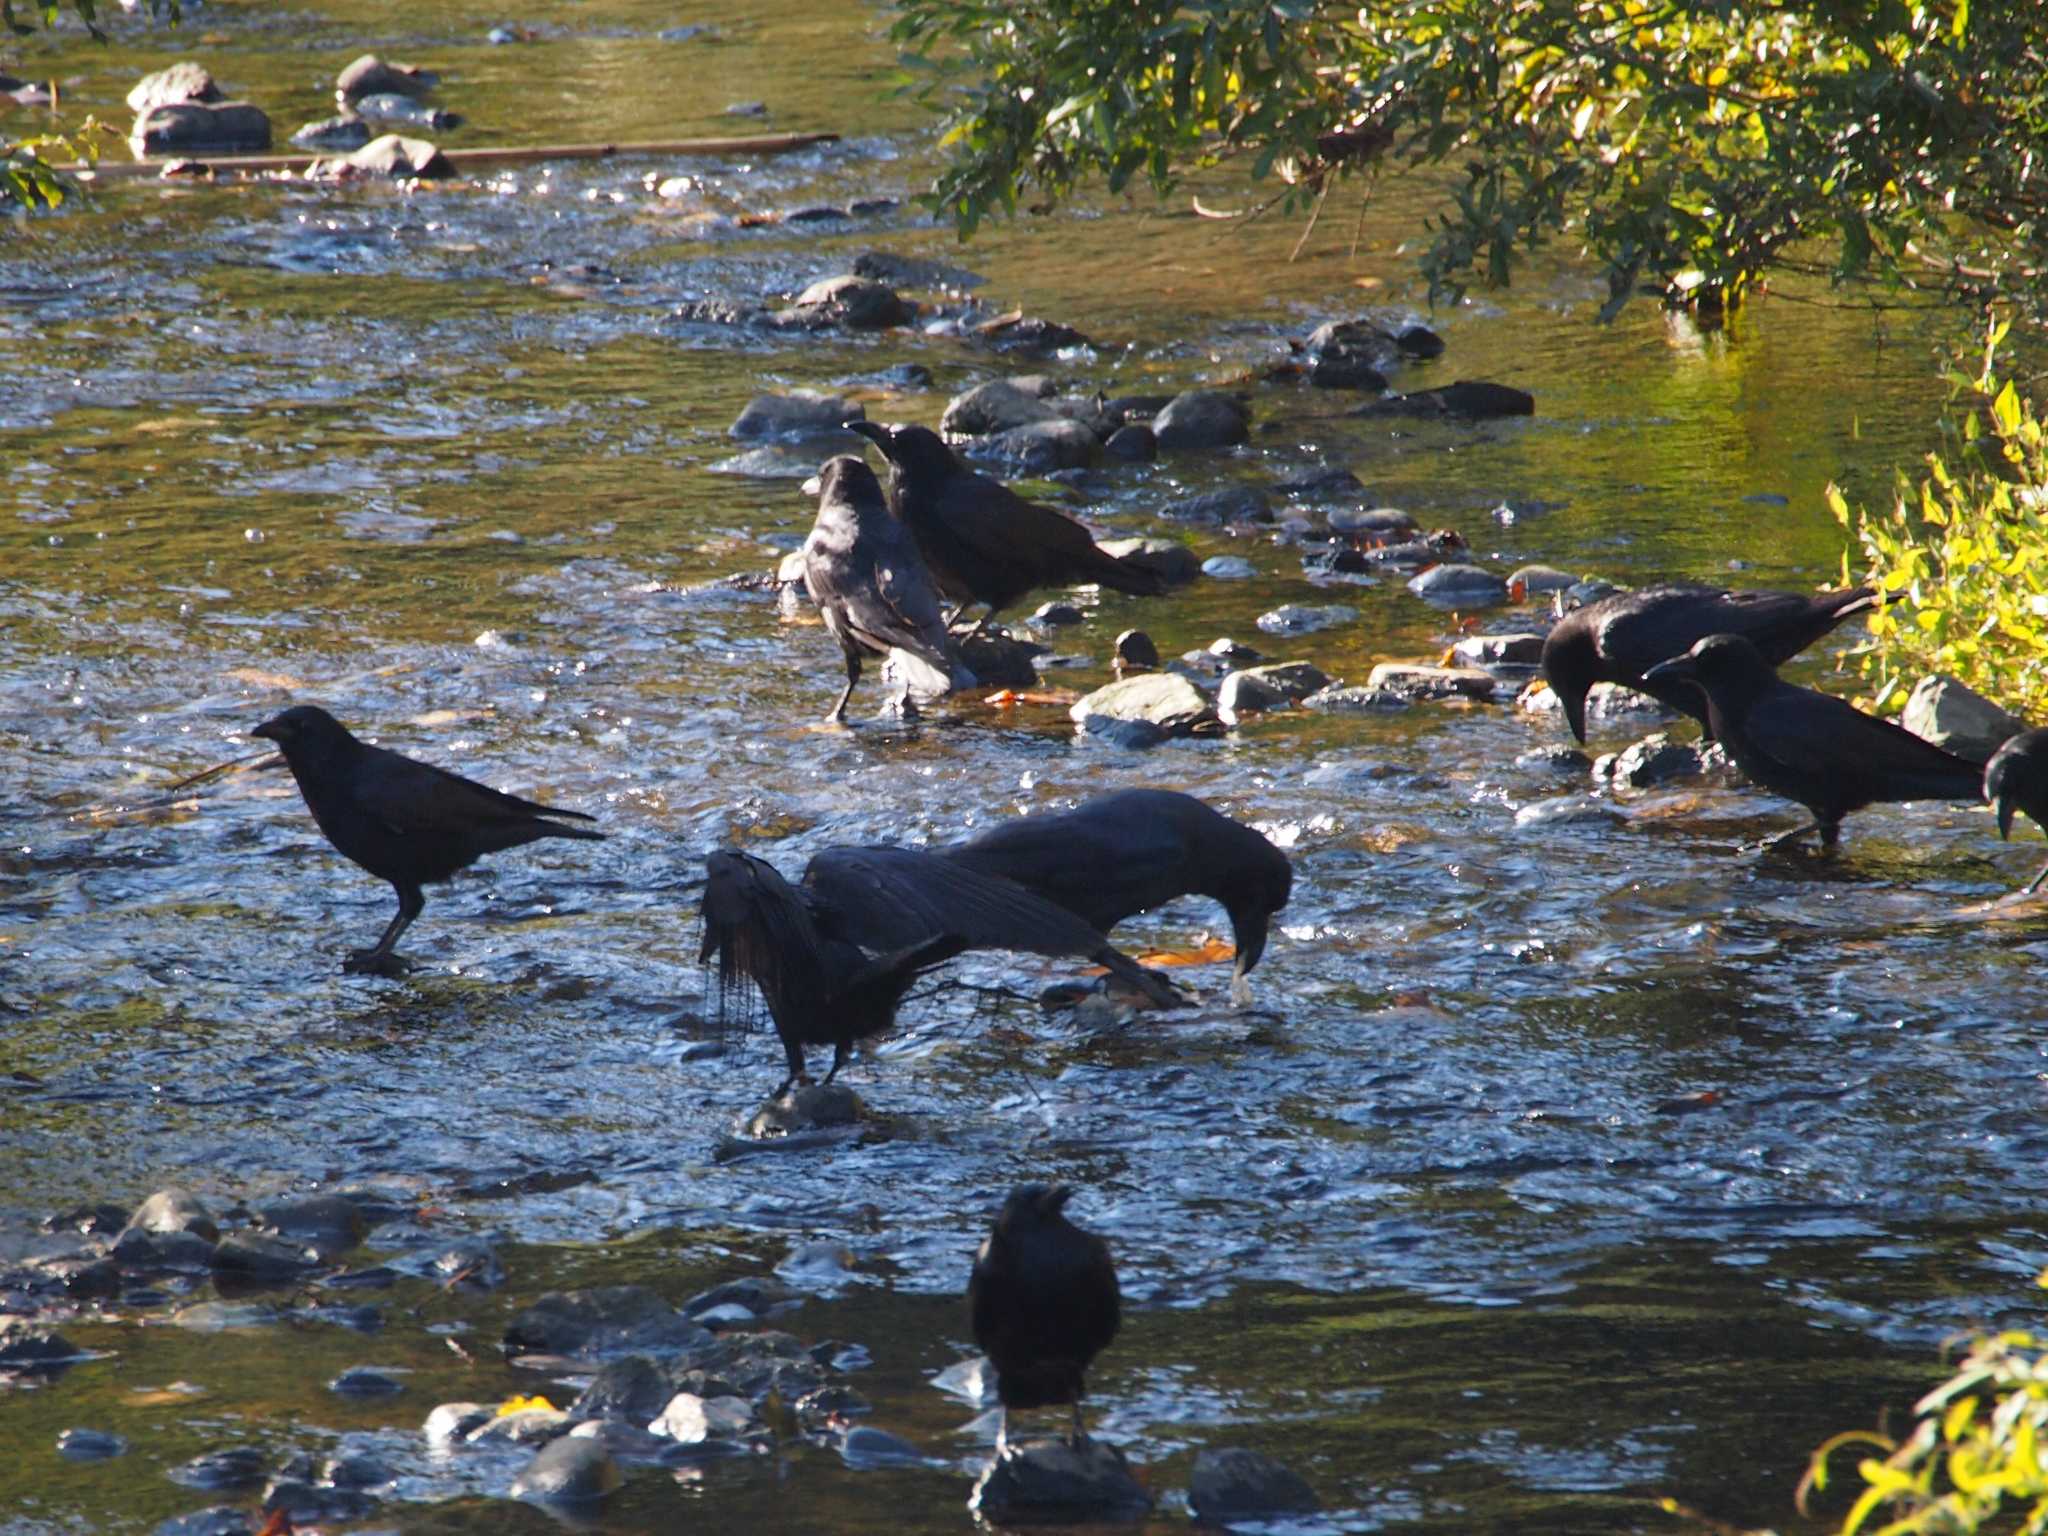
x,y
835,955
868,580
404,821
1811,747
1127,852
1622,636
1044,1303
982,541
2017,776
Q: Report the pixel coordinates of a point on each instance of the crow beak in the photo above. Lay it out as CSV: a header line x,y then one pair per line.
x,y
1056,1199
268,731
2004,804
1679,669
1251,942
875,432
1574,704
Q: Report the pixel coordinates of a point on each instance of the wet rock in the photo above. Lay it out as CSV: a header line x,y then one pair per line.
x,y
85,1279
220,1520
1517,650
1531,581
470,1263
1269,687
253,1258
1468,400
759,1294
528,1426
1040,447
1325,482
356,1471
821,214
174,1210
1349,354
201,127
371,76
806,1108
1055,614
999,661
1231,1483
691,1420
307,1503
1231,504
1580,593
803,413
24,1347
1606,704
634,1388
1305,618
998,405
328,1223
365,1381
1656,759
625,1441
393,156
452,1423
219,1316
1460,586
914,272
1354,700
1376,525
1554,760
101,1217
183,81
89,1445
856,302
1057,1482
1169,704
1229,568
865,1448
162,1252
602,1320
1029,333
239,1466
820,1410
1201,418
1421,682
1958,718
1135,651
1174,562
1568,811
342,133
572,1470
1134,443
390,107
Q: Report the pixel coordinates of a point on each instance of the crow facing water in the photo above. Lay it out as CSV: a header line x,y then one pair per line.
x,y
404,821
1624,635
867,578
1811,747
983,542
2017,778
1044,1302
835,955
1127,852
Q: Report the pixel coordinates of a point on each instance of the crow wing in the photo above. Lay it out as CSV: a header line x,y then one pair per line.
x,y
1829,738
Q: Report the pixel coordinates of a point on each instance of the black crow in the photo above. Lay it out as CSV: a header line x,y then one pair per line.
x,y
1044,1302
983,542
867,578
1126,852
1622,636
404,821
2017,777
1811,747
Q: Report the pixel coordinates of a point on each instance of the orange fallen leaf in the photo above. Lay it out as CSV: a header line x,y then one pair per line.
x,y
1214,949
1009,698
279,1524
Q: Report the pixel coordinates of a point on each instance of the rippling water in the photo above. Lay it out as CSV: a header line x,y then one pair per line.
x,y
1559,1168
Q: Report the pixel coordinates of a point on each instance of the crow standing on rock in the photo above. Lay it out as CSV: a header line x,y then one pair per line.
x,y
1620,638
983,542
1811,747
868,580
2017,777
1044,1302
404,821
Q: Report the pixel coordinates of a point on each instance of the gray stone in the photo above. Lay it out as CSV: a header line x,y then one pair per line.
x,y
1517,650
174,1210
1350,354
308,1503
1303,618
1201,418
571,1470
152,1252
625,1441
1539,580
371,76
1554,760
1232,1483
529,1426
634,1388
1606,704
1581,593
356,1471
1040,447
250,1256
183,81
1057,1481
1134,650
1958,718
365,1381
201,127
1461,586
1290,679
690,1420
998,405
391,107
802,413
1134,442
452,1423
219,1316
810,1107
864,1447
393,155
998,661
915,272
759,1294
1466,400
1231,504
1229,568
1569,811
239,1466
1354,700
26,1347
1424,682
1170,704
1174,562
1056,614
602,1320
855,302
220,1520
89,1445
1656,759
329,1223
1381,524
342,133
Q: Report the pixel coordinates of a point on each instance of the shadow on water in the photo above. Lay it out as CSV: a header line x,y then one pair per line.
x,y
1569,1166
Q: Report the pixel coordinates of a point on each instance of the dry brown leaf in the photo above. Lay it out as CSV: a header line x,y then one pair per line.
x,y
256,677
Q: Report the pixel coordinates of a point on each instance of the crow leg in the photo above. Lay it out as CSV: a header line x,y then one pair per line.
x,y
1080,1434
839,1057
1830,832
1002,1431
1796,833
794,1054
1240,991
376,960
2034,884
838,715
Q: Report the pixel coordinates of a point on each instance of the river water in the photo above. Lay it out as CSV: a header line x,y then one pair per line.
x,y
1559,1168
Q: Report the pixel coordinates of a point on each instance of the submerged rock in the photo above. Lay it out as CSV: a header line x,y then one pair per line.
x,y
343,133
220,1520
1354,700
865,1447
808,1107
391,107
1568,811
1373,525
1231,1483
239,1466
1350,354
25,1347
1173,562
89,1445
365,1381
1423,682
601,1320
914,272
329,1223
1057,1481
997,405
1460,586
1134,443
371,76
201,127
1468,399
1264,688
855,302
1231,504
307,1503
1516,650
1135,651
634,1388
1531,581
251,1257
801,413
1303,619
1656,759
1040,447
571,1470
1201,418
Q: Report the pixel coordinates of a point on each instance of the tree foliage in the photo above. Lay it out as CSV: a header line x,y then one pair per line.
x,y
1694,148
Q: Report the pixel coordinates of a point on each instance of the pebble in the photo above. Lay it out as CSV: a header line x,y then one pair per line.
x,y
365,1381
174,1210
1462,586
864,1447
1354,700
239,1466
1228,568
600,1320
1230,1483
1569,811
89,1445
1425,682
1055,615
572,1470
1134,649
1302,619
